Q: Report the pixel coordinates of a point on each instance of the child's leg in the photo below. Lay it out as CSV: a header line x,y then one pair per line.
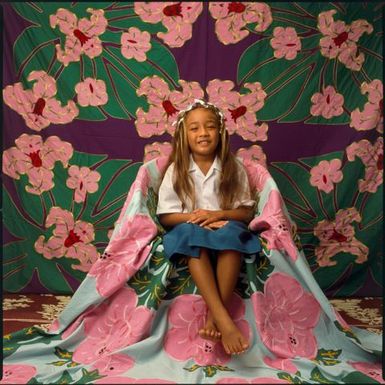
x,y
203,276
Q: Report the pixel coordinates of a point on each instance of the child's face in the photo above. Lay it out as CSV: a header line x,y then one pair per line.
x,y
202,132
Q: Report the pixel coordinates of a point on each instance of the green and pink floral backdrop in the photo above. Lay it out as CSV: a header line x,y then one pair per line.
x,y
90,91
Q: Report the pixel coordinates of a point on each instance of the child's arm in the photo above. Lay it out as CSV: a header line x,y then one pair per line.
x,y
173,219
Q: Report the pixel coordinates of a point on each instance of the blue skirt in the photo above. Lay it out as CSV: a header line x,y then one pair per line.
x,y
186,239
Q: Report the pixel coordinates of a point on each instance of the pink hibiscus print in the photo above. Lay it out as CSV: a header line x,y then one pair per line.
x,y
128,380
258,380
135,44
177,17
125,254
239,110
325,174
83,181
186,316
274,225
371,369
115,324
91,92
232,17
372,157
329,103
254,154
257,174
284,364
340,39
372,116
285,43
156,149
38,106
37,159
82,37
338,236
285,316
17,374
164,105
70,239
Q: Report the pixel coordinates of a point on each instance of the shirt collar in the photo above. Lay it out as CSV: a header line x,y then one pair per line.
x,y
217,164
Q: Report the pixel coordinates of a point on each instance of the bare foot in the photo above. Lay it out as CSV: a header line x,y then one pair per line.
x,y
210,331
233,340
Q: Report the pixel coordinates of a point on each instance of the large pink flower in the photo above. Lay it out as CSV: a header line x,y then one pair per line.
x,y
135,44
372,156
232,17
285,316
325,174
373,370
164,104
329,103
254,154
91,92
36,159
186,316
38,106
240,110
155,150
83,181
372,115
177,17
70,239
17,374
258,380
340,40
116,323
126,252
82,37
285,43
338,236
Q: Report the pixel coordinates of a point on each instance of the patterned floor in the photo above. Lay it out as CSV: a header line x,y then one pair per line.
x,y
20,311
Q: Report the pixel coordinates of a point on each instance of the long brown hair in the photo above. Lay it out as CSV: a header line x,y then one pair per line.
x,y
229,186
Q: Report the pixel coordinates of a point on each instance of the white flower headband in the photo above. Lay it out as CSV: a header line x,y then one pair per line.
x,y
201,103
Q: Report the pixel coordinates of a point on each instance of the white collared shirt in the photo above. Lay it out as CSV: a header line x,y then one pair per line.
x,y
206,189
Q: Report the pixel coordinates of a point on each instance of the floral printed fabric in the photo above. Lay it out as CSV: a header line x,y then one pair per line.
x,y
136,315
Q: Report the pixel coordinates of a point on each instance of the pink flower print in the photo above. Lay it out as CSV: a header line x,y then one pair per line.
x,y
372,115
38,106
164,105
371,369
372,157
254,154
177,17
258,380
232,17
116,323
284,364
338,236
82,37
275,226
91,92
83,181
340,40
285,43
285,316
239,110
126,252
17,374
329,103
70,239
36,158
325,174
186,316
156,149
135,44
127,380
257,174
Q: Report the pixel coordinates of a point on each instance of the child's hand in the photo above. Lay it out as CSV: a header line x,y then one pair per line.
x,y
204,218
216,225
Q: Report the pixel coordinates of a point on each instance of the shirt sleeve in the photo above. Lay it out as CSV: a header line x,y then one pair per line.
x,y
168,200
244,197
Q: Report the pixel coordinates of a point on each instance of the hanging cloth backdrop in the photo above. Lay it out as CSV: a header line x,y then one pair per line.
x,y
91,89
135,317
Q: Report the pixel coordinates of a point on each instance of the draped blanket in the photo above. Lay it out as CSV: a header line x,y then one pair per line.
x,y
135,318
